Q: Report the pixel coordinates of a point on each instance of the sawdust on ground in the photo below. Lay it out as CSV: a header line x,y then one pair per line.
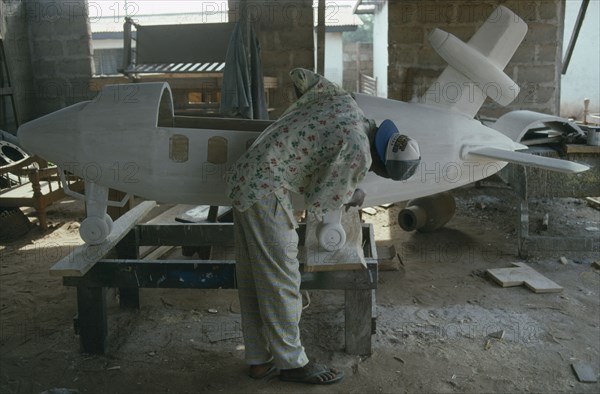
x,y
435,316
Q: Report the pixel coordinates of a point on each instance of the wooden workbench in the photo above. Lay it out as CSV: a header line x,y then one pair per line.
x,y
129,273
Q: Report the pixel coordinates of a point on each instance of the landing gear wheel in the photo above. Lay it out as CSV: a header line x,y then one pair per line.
x,y
109,222
331,236
94,230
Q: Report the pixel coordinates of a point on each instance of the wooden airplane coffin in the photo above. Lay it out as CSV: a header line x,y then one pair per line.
x,y
128,138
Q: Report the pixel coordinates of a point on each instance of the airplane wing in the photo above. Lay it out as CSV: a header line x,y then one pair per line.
x,y
527,159
516,124
475,69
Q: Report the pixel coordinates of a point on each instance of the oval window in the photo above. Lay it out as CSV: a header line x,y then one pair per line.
x,y
217,150
178,148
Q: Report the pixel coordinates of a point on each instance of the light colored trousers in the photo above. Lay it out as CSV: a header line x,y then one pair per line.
x,y
268,277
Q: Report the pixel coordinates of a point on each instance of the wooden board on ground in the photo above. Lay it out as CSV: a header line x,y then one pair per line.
x,y
585,373
593,202
521,274
350,257
83,258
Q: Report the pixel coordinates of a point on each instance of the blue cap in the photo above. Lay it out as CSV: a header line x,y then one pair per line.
x,y
385,131
399,153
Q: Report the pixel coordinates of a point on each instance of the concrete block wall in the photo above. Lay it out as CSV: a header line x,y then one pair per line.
x,y
61,54
50,46
285,32
50,57
13,28
535,67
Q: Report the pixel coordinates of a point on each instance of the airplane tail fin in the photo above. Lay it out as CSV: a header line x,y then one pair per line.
x,y
527,159
475,69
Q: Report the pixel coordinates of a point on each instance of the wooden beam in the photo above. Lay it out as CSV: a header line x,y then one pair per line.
x,y
321,38
358,308
182,234
206,274
83,258
92,320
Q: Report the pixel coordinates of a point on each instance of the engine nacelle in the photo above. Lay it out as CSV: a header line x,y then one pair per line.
x,y
427,214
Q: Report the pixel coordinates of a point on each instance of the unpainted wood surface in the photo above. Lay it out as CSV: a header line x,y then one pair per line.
x,y
83,258
521,274
350,257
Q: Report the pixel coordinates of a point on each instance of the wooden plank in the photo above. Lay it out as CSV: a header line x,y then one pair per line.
x,y
507,277
582,148
584,372
83,258
182,234
204,274
593,202
522,274
154,274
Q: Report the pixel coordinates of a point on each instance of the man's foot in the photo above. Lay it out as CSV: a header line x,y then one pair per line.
x,y
311,373
259,371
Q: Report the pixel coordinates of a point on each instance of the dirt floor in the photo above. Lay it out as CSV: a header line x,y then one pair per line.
x,y
434,316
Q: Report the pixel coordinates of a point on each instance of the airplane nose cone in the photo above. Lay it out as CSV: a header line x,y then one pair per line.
x,y
437,38
52,136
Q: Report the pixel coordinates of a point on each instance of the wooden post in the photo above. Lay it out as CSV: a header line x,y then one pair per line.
x,y
358,329
358,82
321,38
523,228
91,316
129,298
127,248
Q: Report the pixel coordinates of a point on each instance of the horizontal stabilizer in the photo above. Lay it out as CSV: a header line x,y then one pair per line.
x,y
530,160
475,69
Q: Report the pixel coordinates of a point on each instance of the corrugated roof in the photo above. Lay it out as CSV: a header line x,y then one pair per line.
x,y
112,24
339,16
367,6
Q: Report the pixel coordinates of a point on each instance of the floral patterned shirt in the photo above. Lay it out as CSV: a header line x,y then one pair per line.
x,y
319,148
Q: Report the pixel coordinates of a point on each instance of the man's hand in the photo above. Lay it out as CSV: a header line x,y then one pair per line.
x,y
357,199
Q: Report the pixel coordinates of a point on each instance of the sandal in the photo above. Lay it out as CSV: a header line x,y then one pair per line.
x,y
312,373
260,371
